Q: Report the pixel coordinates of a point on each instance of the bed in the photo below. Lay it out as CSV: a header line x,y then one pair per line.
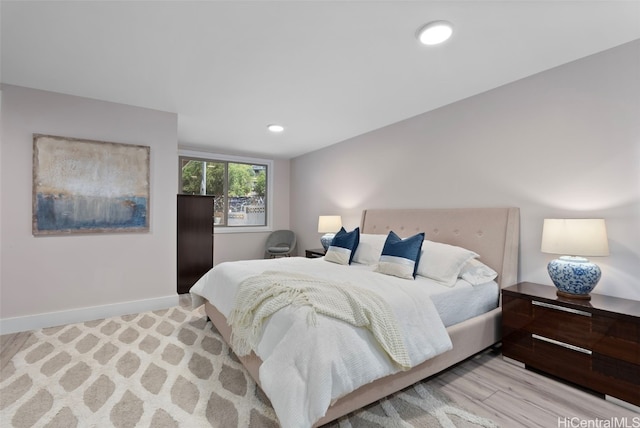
x,y
492,233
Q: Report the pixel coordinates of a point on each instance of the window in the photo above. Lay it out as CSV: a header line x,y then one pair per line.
x,y
240,187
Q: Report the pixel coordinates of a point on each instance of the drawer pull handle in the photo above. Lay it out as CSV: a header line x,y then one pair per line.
x,y
564,345
561,308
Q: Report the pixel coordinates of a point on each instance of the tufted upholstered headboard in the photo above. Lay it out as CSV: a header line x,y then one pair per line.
x,y
493,233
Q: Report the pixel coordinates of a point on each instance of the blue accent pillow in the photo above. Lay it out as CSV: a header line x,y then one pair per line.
x,y
343,246
400,257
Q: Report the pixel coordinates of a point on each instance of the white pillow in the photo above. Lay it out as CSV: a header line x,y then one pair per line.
x,y
369,249
475,272
443,262
338,255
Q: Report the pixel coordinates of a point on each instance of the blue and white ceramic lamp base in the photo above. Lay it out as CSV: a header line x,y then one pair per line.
x,y
326,240
574,277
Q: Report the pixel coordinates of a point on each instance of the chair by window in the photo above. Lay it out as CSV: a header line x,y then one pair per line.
x,y
280,243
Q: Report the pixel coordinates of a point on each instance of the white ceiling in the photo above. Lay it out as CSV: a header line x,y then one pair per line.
x,y
326,70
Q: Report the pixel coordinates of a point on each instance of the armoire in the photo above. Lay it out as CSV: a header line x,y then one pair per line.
x,y
195,239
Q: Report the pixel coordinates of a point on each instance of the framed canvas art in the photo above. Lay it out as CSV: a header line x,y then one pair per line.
x,y
87,186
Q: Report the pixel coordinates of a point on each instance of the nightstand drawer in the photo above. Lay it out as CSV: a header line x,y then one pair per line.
x,y
562,324
617,337
616,369
559,360
620,378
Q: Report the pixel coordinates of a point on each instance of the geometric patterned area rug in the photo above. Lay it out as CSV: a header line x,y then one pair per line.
x,y
168,368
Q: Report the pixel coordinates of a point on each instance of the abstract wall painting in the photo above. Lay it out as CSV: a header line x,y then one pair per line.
x,y
86,186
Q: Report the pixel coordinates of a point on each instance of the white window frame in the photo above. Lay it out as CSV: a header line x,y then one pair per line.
x,y
240,159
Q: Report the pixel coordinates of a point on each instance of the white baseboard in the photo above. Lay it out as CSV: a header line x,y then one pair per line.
x,y
52,319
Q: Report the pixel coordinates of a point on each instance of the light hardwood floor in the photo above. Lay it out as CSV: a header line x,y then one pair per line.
x,y
513,396
491,387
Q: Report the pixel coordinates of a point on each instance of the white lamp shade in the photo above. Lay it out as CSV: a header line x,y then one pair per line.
x,y
329,223
575,237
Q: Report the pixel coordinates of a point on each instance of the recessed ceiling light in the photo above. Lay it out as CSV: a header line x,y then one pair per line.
x,y
435,32
275,128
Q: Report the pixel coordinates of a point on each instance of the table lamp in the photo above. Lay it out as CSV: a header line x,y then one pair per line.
x,y
573,275
329,225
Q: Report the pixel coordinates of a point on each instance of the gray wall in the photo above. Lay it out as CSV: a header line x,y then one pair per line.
x,y
52,280
53,274
563,143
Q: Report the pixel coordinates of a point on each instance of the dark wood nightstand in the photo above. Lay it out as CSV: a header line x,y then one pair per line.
x,y
314,253
595,343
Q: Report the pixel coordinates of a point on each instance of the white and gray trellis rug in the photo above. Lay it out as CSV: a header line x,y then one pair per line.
x,y
168,368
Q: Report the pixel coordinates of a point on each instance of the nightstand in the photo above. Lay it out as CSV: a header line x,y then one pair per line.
x,y
314,253
595,343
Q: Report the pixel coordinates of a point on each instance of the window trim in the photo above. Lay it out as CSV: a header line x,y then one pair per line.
x,y
240,159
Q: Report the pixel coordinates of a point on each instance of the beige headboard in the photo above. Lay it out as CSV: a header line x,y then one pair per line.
x,y
493,233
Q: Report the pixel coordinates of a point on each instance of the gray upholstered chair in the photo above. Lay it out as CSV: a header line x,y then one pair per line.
x,y
280,243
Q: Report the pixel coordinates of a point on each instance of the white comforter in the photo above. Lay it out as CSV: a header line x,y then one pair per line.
x,y
305,368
